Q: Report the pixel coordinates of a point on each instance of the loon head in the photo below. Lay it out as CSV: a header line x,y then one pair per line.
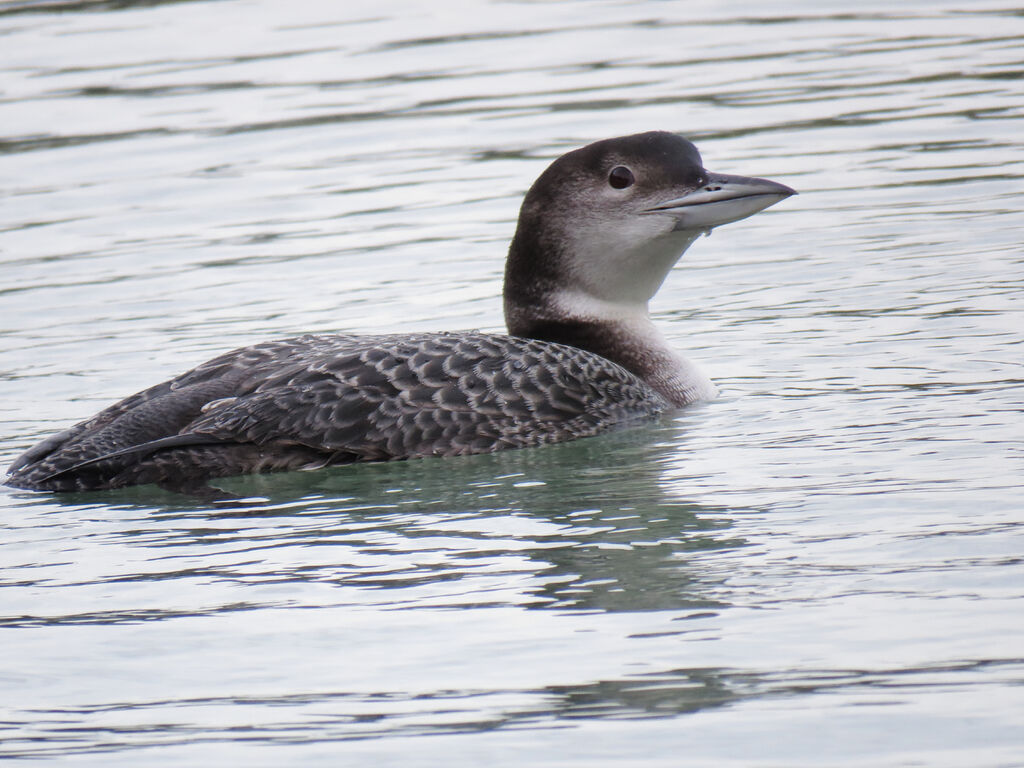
x,y
600,229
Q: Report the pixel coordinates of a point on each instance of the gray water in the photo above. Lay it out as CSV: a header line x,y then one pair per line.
x,y
821,567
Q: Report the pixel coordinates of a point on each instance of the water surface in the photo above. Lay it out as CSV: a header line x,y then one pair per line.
x,y
822,567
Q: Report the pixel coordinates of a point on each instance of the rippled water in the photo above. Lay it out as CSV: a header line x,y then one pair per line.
x,y
822,567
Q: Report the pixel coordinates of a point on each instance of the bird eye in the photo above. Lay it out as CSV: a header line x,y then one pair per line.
x,y
620,177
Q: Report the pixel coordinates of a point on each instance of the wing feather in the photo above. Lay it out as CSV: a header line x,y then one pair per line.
x,y
344,398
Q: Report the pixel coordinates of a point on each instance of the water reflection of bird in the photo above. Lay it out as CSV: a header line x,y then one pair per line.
x,y
597,234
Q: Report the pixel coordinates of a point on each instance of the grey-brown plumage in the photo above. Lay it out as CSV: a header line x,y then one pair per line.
x,y
597,234
317,400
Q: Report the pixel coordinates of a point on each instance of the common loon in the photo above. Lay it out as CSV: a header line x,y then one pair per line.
x,y
597,234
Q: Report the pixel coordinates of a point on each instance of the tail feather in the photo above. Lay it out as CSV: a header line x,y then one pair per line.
x,y
136,453
181,462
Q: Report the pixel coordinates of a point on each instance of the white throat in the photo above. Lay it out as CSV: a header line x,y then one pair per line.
x,y
626,263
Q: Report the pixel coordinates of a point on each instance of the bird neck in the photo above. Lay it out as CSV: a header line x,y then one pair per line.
x,y
623,334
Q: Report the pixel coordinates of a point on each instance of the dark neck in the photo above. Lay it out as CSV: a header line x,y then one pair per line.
x,y
539,306
637,347
607,339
